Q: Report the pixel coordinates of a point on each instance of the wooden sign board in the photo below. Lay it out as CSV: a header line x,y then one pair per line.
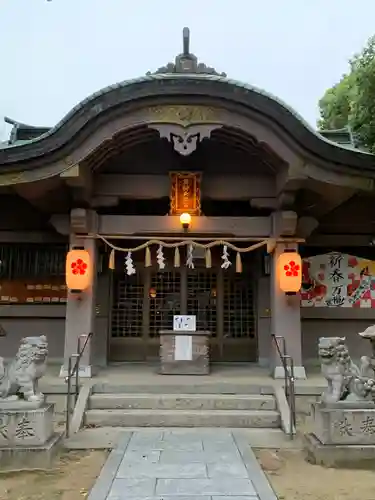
x,y
51,291
185,194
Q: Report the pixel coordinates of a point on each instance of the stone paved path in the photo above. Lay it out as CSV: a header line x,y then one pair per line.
x,y
182,464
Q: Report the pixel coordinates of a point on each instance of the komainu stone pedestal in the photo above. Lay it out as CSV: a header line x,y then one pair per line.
x,y
199,364
343,434
27,437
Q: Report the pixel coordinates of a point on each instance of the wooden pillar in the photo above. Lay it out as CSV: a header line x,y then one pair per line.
x,y
285,321
80,316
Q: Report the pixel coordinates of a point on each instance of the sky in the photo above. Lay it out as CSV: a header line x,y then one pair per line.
x,y
56,53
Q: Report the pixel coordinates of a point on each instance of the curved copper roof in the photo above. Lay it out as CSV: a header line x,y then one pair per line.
x,y
185,77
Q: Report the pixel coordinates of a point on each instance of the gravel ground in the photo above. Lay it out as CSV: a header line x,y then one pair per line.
x,y
71,479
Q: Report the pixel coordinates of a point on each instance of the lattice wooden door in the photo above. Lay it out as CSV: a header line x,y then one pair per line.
x,y
144,304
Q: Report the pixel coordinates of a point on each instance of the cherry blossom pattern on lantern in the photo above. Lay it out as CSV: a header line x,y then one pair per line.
x,y
79,267
292,269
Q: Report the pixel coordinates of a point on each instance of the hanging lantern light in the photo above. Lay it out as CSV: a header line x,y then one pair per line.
x,y
185,220
78,270
289,268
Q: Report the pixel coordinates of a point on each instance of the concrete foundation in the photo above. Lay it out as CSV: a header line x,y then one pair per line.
x,y
30,457
86,371
343,435
299,373
344,423
345,456
27,438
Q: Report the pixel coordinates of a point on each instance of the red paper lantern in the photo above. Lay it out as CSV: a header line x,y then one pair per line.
x,y
78,271
289,267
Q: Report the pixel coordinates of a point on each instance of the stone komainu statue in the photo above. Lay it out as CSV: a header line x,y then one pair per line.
x,y
20,378
346,381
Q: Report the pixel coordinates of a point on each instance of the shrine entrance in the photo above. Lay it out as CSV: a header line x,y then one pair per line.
x,y
221,299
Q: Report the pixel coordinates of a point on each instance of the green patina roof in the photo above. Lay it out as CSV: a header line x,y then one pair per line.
x,y
22,133
341,136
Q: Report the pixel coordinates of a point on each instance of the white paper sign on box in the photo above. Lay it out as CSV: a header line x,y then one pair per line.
x,y
183,348
184,323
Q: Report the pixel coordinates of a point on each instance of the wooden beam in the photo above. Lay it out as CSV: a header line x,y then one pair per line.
x,y
80,221
39,194
286,200
31,237
83,221
104,201
218,187
284,223
61,223
338,178
306,225
124,225
77,176
330,197
340,240
267,203
288,182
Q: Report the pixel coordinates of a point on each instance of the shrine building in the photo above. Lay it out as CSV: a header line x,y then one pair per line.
x,y
185,189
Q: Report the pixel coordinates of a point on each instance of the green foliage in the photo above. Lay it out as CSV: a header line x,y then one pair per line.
x,y
362,118
351,102
335,105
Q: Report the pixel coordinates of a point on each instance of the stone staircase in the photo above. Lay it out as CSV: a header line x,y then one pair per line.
x,y
178,406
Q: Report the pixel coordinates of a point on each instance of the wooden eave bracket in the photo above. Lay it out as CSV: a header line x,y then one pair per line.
x,y
339,178
288,182
83,221
272,243
80,179
284,229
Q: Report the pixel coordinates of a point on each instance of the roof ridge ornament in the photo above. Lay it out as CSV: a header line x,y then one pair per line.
x,y
186,41
186,62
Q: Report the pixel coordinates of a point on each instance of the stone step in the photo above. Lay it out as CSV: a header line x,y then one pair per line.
x,y
185,385
183,418
107,437
182,402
